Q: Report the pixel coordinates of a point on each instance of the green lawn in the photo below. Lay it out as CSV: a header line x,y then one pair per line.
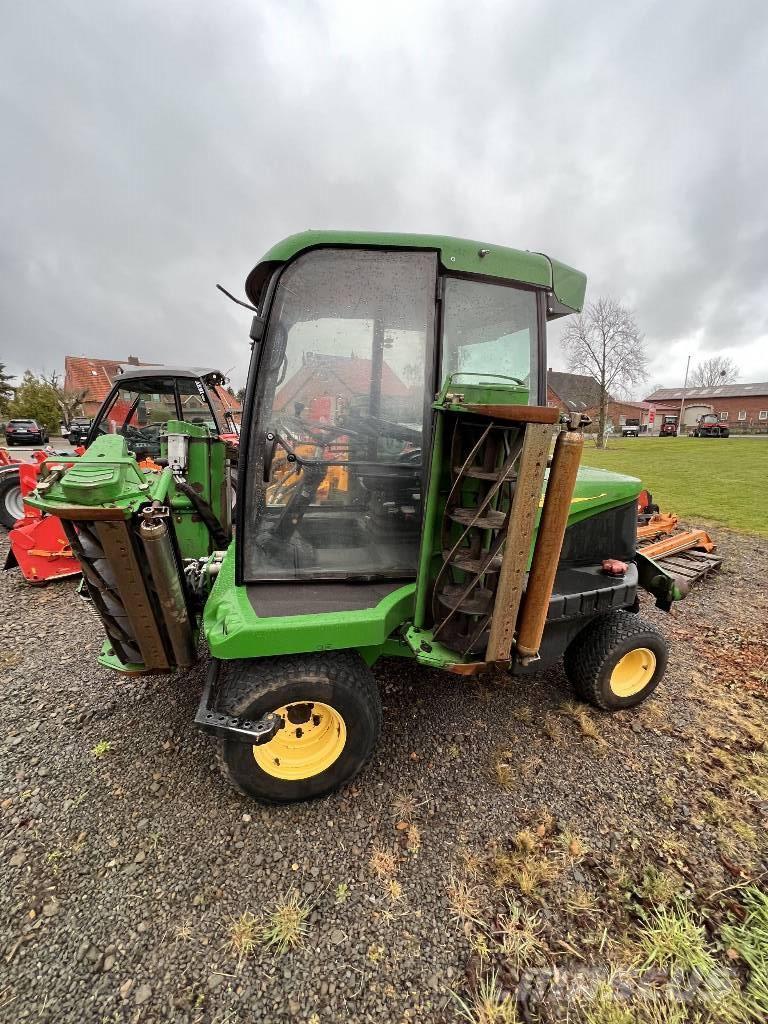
x,y
724,480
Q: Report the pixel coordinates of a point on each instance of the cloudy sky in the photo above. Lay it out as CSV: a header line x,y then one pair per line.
x,y
151,149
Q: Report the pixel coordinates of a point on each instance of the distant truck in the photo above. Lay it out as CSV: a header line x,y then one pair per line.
x,y
631,428
668,426
710,425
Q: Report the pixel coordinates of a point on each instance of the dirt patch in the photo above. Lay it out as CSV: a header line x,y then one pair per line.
x,y
504,842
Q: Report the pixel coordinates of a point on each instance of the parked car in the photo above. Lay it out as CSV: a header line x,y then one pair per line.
x,y
78,430
25,432
631,428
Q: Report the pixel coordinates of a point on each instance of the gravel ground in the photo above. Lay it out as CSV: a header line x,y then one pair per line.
x,y
124,870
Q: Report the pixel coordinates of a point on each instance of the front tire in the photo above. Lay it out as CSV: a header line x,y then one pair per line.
x,y
11,504
617,661
332,709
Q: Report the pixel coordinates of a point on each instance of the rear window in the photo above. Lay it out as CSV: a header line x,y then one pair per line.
x,y
22,423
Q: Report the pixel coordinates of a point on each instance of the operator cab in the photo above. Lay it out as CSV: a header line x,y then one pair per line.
x,y
143,400
358,341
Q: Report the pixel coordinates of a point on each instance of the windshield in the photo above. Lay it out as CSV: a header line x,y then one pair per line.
x,y
489,329
343,383
140,410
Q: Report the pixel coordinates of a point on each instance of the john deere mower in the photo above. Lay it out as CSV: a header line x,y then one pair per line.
x,y
396,498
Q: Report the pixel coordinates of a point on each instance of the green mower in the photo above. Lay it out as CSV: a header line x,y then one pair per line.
x,y
396,497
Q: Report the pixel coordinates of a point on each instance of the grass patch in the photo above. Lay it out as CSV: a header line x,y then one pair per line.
x,y
488,1005
673,940
750,940
243,935
286,925
720,480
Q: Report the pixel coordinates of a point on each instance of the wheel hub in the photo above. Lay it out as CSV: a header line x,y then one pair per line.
x,y
633,672
313,738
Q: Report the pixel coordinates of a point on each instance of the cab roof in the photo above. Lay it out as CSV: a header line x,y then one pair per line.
x,y
565,285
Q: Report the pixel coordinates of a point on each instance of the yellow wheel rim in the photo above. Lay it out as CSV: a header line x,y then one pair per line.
x,y
313,737
633,672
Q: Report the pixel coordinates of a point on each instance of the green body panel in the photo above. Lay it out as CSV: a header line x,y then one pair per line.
x,y
599,489
468,388
105,476
108,476
456,254
206,471
234,630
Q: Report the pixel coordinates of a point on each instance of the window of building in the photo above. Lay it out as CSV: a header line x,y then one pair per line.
x,y
742,414
723,415
763,415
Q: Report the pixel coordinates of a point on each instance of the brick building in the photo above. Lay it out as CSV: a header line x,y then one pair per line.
x,y
744,407
579,388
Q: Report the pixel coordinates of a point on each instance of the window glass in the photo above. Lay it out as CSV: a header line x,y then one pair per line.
x,y
343,385
489,329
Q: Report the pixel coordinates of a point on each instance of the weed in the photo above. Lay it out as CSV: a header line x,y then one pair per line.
x,y
471,862
519,935
603,1006
394,890
463,899
102,747
414,838
525,841
750,940
383,863
342,892
503,770
489,1004
554,730
287,923
375,953
579,714
243,934
404,806
658,886
581,902
572,845
523,714
670,938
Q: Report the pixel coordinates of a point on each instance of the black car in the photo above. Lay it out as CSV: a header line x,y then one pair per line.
x,y
25,432
78,430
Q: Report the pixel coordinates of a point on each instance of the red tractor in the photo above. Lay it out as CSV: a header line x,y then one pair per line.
x,y
710,425
668,426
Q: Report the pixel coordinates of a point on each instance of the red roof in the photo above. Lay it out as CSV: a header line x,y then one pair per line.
x,y
94,375
229,403
351,372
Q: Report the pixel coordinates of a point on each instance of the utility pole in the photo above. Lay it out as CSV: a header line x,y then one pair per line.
x,y
682,400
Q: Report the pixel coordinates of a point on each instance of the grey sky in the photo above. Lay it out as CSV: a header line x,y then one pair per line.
x,y
151,149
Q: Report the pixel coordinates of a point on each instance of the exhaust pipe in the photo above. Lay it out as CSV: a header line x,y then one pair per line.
x,y
168,586
549,542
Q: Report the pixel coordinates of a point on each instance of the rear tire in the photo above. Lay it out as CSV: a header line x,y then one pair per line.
x,y
335,721
11,505
617,661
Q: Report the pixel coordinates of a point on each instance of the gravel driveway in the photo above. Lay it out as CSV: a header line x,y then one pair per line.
x,y
127,860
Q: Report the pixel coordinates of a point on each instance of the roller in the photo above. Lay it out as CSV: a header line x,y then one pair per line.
x,y
169,588
549,541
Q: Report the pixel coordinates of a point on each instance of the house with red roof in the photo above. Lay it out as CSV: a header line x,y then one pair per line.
x,y
94,377
323,382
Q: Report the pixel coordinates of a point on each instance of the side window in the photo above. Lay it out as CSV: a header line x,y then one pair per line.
x,y
489,329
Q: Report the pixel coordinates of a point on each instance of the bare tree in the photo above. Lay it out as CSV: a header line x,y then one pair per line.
x,y
713,371
69,402
605,342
